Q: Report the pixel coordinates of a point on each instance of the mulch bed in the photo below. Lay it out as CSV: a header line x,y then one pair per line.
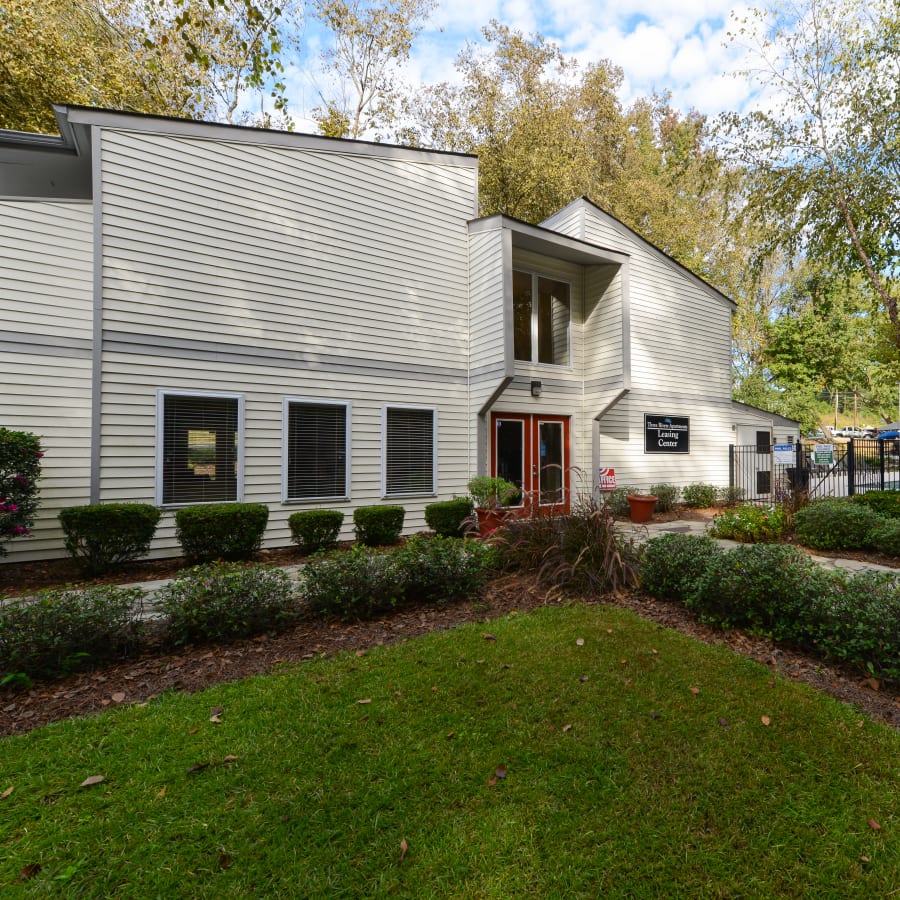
x,y
139,679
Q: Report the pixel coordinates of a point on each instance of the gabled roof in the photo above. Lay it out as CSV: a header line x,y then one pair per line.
x,y
585,203
775,417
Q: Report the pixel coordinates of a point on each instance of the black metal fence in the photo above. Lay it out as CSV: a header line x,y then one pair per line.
x,y
763,472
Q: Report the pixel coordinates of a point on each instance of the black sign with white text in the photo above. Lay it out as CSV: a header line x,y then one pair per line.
x,y
667,434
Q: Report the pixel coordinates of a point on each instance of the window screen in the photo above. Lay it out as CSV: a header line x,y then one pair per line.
x,y
409,451
200,449
316,450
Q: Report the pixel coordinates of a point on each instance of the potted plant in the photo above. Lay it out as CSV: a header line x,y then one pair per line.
x,y
641,507
491,495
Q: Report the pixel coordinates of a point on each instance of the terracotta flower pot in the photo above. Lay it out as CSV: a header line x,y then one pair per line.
x,y
641,507
489,520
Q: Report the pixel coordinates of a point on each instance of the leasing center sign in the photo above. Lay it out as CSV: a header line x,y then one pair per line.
x,y
667,434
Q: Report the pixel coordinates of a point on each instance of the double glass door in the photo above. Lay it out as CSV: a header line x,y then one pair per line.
x,y
532,451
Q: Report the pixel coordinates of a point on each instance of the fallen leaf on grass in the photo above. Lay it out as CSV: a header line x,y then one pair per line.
x,y
584,678
579,642
864,859
230,758
403,848
765,720
92,780
29,872
363,702
224,861
566,728
197,767
193,730
360,653
723,722
489,637
216,720
492,780
695,690
161,793
500,771
874,825
7,792
609,630
873,683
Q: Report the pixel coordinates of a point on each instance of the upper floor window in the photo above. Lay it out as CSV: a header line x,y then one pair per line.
x,y
199,447
541,314
316,450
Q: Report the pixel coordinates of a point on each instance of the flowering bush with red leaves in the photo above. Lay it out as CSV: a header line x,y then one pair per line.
x,y
20,468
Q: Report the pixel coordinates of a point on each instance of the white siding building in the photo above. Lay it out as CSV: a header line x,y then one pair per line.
x,y
196,312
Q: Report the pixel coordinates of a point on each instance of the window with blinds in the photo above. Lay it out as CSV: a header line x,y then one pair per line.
x,y
199,448
316,450
409,451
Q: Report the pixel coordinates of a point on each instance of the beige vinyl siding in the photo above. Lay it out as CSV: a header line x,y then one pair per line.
x,y
129,428
46,273
680,331
288,249
487,354
621,441
569,221
604,358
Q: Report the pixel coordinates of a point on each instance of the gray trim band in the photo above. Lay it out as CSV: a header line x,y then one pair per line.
x,y
182,348
45,344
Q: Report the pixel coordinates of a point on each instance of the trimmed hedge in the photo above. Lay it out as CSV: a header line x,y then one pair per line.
x,y
616,500
315,529
885,503
447,517
58,631
700,496
886,537
672,564
667,495
366,582
224,600
103,535
378,526
229,531
836,524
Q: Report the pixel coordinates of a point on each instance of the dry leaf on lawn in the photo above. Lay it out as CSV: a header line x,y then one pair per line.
x,y
403,848
29,872
579,642
695,690
765,720
363,702
500,771
91,780
7,792
874,825
162,793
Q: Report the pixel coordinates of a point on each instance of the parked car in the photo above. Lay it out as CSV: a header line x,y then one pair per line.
x,y
850,431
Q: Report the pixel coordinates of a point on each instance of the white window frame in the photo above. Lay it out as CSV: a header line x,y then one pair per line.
x,y
434,450
285,406
535,275
161,394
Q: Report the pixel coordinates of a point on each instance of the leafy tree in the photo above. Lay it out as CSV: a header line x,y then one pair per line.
x,y
823,149
370,41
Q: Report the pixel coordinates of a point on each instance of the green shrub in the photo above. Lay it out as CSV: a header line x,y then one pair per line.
x,y
885,503
378,526
750,524
836,524
581,552
229,531
103,535
367,582
768,588
672,564
700,496
20,468
731,495
885,538
58,631
223,600
447,517
858,622
315,529
667,495
616,500
358,584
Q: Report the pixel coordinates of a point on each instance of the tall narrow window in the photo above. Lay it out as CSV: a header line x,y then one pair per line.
x,y
315,452
199,448
541,316
409,438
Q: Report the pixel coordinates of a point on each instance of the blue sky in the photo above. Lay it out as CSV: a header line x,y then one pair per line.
x,y
666,45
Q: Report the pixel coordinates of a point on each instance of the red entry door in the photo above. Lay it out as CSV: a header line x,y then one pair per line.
x,y
532,451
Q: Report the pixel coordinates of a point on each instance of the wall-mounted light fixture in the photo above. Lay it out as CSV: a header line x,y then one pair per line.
x,y
536,388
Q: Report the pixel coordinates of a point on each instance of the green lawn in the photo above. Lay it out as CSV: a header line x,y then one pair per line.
x,y
637,765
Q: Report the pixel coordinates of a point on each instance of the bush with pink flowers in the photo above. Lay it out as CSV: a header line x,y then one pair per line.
x,y
20,468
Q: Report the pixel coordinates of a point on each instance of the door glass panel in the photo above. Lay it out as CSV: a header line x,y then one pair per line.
x,y
550,454
511,453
